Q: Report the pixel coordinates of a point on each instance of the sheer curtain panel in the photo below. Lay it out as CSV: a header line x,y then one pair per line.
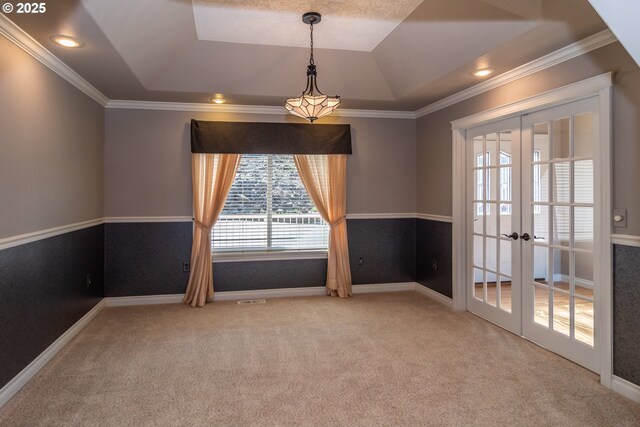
x,y
325,178
212,176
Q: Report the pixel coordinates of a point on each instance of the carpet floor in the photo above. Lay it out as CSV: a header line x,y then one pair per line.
x,y
377,359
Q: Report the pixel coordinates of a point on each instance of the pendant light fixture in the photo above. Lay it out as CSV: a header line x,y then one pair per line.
x,y
312,104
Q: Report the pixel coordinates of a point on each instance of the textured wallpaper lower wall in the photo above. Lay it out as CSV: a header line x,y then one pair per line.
x,y
626,313
146,259
44,291
433,256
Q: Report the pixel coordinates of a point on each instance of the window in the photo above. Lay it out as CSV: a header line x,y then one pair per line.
x,y
268,209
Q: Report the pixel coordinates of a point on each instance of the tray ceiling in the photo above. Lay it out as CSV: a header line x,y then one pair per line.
x,y
374,54
350,25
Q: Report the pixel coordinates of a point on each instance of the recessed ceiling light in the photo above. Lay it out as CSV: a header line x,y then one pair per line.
x,y
483,72
67,41
218,100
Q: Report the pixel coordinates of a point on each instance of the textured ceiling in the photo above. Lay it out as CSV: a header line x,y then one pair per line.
x,y
399,55
351,25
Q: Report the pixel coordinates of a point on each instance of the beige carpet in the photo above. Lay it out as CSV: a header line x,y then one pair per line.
x,y
381,359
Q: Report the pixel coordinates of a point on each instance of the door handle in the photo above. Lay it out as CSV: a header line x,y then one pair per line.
x,y
526,237
513,236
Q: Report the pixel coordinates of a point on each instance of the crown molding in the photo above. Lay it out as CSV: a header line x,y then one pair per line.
x,y
24,41
247,109
561,55
27,43
376,114
571,92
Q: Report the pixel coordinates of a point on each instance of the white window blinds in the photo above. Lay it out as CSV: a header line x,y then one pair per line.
x,y
268,209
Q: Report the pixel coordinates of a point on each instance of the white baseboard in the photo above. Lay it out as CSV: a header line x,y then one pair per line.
x,y
13,386
383,287
269,293
143,300
256,294
436,296
278,293
626,388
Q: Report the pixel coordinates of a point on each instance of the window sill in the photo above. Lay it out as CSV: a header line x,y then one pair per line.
x,y
217,257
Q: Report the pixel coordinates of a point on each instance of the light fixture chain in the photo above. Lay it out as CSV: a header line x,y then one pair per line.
x,y
311,57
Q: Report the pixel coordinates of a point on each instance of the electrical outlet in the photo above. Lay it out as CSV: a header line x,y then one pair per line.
x,y
434,264
88,280
186,266
360,260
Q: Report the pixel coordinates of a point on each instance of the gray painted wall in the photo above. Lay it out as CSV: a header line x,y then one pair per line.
x,y
52,145
148,169
52,174
434,130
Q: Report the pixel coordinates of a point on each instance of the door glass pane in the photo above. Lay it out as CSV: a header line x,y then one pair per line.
x,y
492,150
492,184
561,225
492,294
505,184
492,219
583,228
561,313
585,134
478,286
561,184
505,293
478,184
540,182
582,289
505,220
561,271
505,256
541,305
583,273
583,321
541,222
491,256
541,141
478,251
505,148
478,218
540,264
561,144
583,181
478,150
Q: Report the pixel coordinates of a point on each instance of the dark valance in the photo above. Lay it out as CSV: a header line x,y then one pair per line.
x,y
269,138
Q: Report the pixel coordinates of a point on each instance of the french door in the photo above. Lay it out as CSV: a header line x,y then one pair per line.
x,y
494,223
531,225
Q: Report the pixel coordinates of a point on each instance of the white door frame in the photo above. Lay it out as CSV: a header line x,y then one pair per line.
x,y
599,86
